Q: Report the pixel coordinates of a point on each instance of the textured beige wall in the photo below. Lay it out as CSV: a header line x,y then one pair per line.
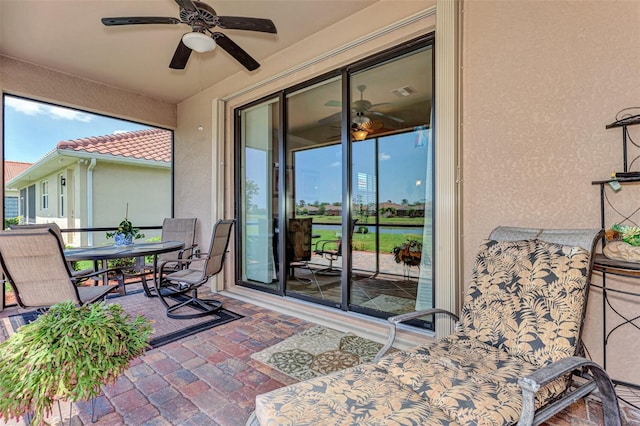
x,y
541,80
21,78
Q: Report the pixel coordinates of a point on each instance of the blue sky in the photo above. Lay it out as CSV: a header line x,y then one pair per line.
x,y
402,171
31,129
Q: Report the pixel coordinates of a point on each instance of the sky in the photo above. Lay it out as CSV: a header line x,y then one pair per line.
x,y
402,171
32,129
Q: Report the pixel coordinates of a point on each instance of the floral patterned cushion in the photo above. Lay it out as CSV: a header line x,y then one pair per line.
x,y
365,395
472,382
527,297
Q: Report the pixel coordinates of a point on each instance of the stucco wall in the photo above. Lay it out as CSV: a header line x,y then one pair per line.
x,y
24,79
113,190
540,82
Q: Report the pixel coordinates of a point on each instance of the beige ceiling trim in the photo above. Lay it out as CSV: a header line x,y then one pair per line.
x,y
335,52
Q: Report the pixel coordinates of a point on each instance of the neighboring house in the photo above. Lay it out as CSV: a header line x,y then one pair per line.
x,y
93,182
11,196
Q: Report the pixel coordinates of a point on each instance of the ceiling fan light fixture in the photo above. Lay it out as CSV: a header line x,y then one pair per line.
x,y
199,42
361,119
359,134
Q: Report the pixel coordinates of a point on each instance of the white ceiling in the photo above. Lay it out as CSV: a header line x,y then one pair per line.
x,y
68,36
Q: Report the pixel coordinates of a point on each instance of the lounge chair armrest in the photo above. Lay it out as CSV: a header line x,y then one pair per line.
x,y
545,375
397,319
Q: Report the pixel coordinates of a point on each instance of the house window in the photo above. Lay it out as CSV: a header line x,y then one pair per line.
x,y
63,183
45,195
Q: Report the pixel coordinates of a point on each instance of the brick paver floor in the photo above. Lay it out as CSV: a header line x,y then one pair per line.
x,y
210,379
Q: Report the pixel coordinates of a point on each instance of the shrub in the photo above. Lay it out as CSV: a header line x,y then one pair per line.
x,y
68,353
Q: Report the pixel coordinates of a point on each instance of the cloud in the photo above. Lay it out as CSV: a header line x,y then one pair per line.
x,y
384,157
336,164
21,105
32,108
117,132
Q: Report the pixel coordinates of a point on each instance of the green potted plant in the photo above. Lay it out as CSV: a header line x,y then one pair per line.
x,y
126,233
67,354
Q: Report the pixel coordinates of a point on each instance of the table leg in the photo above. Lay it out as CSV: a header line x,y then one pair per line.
x,y
141,267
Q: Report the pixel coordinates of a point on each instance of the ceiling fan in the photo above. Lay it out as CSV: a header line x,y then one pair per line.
x,y
360,109
202,18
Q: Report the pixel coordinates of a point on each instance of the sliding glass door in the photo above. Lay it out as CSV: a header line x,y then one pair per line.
x,y
258,194
314,192
336,207
391,181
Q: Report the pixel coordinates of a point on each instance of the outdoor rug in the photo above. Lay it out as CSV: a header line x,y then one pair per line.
x,y
392,304
316,352
166,330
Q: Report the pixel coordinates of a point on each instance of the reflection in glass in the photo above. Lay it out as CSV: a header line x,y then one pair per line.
x,y
314,191
258,200
392,186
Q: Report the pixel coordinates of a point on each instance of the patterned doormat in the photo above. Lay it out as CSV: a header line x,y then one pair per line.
x,y
392,304
318,351
165,329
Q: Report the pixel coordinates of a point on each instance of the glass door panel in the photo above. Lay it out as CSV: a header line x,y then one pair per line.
x,y
314,192
392,186
258,197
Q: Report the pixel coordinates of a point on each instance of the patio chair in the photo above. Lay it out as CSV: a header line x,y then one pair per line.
x,y
331,250
513,357
34,265
195,271
81,274
299,248
175,229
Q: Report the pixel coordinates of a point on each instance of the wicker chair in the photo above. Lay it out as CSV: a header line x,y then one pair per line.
x,y
33,262
513,358
193,273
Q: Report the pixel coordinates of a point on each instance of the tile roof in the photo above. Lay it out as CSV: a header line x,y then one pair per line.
x,y
153,144
13,169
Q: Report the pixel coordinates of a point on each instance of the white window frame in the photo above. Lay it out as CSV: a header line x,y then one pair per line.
x,y
44,187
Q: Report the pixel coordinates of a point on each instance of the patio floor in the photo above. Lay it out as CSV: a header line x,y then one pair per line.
x,y
210,379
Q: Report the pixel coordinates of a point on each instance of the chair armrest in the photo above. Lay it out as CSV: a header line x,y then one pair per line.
x,y
545,375
397,319
182,262
323,243
79,278
185,249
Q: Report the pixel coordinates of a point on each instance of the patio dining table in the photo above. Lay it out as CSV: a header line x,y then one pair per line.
x,y
138,250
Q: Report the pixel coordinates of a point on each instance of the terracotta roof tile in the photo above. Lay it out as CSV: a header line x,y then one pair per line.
x,y
13,169
154,144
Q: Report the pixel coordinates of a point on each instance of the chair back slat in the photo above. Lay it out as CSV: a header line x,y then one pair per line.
x,y
53,226
34,264
178,229
218,247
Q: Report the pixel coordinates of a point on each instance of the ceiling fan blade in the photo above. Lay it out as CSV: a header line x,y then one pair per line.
x,y
187,4
236,51
390,117
180,57
333,104
135,20
333,118
244,23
